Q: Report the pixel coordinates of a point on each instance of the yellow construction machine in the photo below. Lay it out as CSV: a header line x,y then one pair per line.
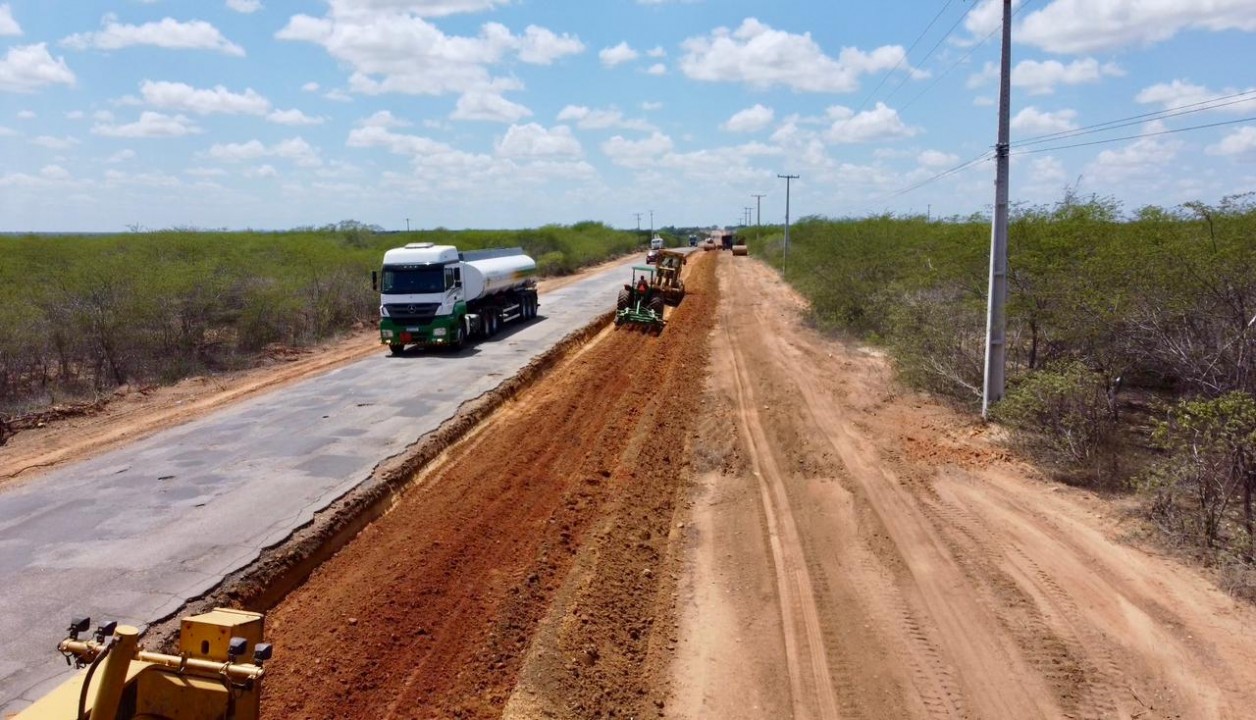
x,y
212,678
667,280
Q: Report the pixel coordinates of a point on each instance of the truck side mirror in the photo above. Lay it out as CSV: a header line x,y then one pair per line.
x,y
374,280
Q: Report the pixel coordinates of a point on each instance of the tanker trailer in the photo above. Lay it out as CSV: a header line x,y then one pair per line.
x,y
435,296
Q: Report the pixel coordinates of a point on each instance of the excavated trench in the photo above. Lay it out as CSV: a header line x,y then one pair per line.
x,y
524,553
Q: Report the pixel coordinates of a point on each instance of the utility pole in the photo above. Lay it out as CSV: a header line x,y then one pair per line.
x,y
651,223
746,216
407,224
785,251
996,319
758,213
638,221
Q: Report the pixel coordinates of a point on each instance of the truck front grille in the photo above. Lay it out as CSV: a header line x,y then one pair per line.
x,y
412,312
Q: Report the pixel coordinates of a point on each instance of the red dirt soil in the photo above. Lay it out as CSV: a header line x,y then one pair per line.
x,y
565,500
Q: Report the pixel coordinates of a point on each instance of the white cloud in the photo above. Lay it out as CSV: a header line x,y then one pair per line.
x,y
75,115
532,140
879,123
55,143
1077,26
165,33
1239,142
310,86
8,26
7,131
296,150
617,55
121,156
26,115
390,49
28,67
540,46
761,57
1032,121
205,172
598,119
384,119
936,159
293,117
152,179
649,106
1040,78
151,124
656,52
637,153
1179,93
1141,157
752,119
423,8
261,171
179,96
488,105
245,6
54,172
656,69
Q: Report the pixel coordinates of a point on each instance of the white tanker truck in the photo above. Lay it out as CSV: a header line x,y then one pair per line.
x,y
434,295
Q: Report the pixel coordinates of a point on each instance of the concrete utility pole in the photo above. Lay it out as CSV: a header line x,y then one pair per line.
x,y
785,251
746,216
638,221
758,213
651,223
407,224
996,319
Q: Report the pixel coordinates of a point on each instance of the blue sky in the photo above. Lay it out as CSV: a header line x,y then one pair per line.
x,y
516,113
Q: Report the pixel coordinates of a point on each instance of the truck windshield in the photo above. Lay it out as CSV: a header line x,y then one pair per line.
x,y
412,279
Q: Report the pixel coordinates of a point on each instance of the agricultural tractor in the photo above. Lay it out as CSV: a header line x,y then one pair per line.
x,y
217,674
641,302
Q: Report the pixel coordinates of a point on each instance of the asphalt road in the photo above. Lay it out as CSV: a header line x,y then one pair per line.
x,y
132,534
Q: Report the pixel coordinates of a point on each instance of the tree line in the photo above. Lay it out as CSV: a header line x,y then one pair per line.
x,y
81,315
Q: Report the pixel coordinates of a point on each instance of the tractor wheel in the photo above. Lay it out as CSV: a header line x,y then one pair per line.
x,y
625,299
655,306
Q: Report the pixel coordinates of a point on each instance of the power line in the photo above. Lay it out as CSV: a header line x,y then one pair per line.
x,y
962,166
935,47
1136,137
1191,108
961,59
907,54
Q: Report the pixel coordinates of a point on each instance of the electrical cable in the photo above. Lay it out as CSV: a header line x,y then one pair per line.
x,y
961,59
1135,137
1201,106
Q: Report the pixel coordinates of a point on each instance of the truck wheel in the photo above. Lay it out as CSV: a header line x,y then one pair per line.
x,y
490,323
460,338
396,348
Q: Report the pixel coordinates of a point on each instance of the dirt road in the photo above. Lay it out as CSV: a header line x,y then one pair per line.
x,y
739,518
742,519
861,553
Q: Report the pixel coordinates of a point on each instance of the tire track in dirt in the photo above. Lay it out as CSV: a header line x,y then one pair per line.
x,y
809,672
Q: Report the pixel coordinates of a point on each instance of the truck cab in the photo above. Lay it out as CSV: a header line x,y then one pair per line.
x,y
420,296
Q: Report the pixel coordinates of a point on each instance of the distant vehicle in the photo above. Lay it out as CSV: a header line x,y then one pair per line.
x,y
727,240
693,241
656,243
652,256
